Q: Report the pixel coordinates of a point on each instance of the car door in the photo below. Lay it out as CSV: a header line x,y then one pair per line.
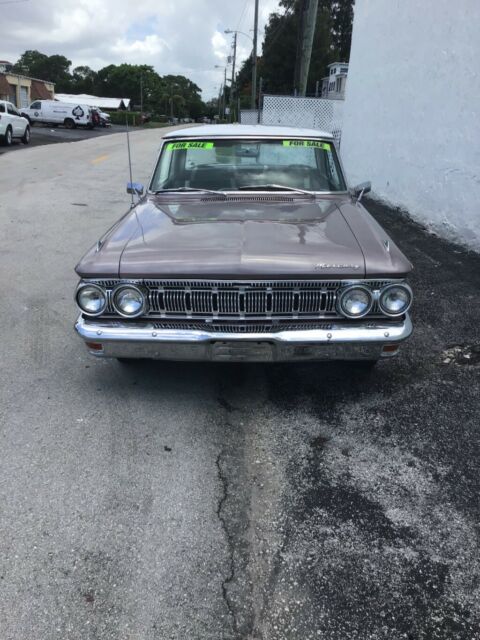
x,y
18,123
34,111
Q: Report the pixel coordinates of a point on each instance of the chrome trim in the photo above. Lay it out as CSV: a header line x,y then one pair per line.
x,y
364,340
403,285
343,292
127,285
93,285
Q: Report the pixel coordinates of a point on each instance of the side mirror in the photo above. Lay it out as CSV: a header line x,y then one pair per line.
x,y
136,188
361,189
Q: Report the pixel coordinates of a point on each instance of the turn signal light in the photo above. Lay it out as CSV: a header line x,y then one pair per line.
x,y
390,348
94,346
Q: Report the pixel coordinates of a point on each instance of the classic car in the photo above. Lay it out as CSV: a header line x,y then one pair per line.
x,y
246,246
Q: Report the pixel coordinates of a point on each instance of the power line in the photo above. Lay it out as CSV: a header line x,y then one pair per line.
x,y
242,14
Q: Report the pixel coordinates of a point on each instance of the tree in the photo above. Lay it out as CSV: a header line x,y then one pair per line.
x,y
342,20
161,95
83,80
280,48
54,68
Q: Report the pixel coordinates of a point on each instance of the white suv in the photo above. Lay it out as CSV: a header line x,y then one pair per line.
x,y
12,124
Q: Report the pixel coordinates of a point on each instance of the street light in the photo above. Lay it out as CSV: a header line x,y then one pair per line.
x,y
236,31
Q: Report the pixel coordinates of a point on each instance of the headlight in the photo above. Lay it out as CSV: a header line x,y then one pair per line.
x,y
395,299
91,299
129,301
355,302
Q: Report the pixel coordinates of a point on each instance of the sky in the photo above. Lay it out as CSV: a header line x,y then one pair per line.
x,y
174,36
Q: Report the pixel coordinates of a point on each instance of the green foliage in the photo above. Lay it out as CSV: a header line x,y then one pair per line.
x,y
277,65
173,96
55,68
120,117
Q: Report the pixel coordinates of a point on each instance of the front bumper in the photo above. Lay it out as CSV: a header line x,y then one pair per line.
x,y
368,340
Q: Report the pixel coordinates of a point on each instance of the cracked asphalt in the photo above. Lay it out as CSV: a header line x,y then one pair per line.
x,y
163,501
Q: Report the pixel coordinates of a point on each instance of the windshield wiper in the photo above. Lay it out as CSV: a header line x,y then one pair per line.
x,y
190,189
275,187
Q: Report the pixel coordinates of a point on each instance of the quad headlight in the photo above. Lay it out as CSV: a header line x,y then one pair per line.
x,y
91,299
355,301
129,301
395,299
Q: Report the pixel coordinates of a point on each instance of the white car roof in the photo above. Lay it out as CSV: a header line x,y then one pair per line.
x,y
240,130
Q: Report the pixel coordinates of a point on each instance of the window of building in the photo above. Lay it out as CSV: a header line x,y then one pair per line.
x,y
338,85
344,69
13,94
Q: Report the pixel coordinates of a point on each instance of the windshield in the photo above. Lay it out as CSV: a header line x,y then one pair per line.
x,y
233,165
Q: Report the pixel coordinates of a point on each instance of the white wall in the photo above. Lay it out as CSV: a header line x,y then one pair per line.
x,y
412,110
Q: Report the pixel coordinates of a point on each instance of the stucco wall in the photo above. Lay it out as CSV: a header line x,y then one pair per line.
x,y
412,110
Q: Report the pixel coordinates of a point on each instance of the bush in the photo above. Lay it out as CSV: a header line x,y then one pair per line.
x,y
119,117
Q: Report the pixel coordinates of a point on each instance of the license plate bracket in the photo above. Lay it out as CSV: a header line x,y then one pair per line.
x,y
242,351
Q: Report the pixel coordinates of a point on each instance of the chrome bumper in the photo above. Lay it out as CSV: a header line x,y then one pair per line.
x,y
367,340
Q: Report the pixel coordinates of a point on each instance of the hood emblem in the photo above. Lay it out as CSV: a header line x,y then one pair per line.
x,y
324,265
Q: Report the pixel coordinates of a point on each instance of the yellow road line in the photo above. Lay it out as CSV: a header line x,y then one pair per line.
x,y
99,159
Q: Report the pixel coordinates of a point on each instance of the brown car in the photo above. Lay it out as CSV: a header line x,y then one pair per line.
x,y
247,246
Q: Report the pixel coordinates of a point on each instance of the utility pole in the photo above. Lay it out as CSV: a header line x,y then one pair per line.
x,y
141,93
260,94
309,21
225,93
254,54
233,87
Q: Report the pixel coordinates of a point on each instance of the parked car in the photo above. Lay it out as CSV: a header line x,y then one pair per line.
x,y
12,124
105,120
248,246
55,112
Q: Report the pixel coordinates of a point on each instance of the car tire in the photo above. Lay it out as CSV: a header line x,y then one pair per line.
x,y
26,136
8,137
69,123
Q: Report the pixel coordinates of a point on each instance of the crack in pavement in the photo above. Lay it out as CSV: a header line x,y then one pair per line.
x,y
231,576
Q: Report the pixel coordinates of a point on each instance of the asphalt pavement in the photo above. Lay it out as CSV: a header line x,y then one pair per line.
x,y
162,501
48,134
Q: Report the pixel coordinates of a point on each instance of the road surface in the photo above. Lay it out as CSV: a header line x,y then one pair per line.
x,y
205,501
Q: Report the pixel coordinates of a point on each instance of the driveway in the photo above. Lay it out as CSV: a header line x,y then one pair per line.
x,y
42,134
172,500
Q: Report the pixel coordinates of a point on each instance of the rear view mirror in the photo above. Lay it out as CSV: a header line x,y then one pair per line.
x,y
248,150
136,188
361,189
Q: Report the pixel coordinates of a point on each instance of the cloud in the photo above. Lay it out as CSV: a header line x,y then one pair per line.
x,y
174,36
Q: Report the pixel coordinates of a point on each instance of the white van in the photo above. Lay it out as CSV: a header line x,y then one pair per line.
x,y
55,112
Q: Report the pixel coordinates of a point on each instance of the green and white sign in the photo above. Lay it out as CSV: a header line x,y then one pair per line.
x,y
307,143
180,146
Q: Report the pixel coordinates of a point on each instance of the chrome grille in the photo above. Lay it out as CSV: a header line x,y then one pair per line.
x,y
242,300
241,327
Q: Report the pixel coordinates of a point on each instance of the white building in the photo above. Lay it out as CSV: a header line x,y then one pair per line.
x,y
333,85
412,110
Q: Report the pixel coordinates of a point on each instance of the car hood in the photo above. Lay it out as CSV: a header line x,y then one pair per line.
x,y
235,239
262,237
